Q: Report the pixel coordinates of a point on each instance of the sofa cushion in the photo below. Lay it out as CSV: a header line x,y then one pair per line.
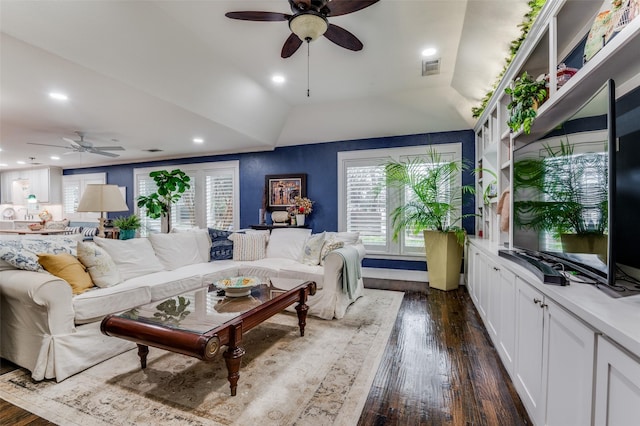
x,y
22,253
103,270
267,267
97,302
305,273
287,243
203,239
69,268
250,246
328,246
312,248
164,284
221,245
133,257
178,249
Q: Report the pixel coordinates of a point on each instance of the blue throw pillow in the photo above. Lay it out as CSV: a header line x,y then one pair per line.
x,y
221,245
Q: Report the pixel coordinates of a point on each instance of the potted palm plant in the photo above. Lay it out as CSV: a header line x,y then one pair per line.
x,y
171,185
127,226
434,197
526,95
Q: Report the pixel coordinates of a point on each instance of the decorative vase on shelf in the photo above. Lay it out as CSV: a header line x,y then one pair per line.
x,y
300,219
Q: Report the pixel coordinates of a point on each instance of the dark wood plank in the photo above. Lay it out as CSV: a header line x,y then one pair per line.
x,y
439,368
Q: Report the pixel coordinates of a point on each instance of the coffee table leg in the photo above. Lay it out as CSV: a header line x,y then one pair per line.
x,y
143,351
301,309
233,357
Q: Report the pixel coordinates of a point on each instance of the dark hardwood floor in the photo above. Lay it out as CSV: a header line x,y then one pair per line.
x,y
439,368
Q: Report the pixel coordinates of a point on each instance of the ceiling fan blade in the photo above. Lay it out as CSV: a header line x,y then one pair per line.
x,y
343,38
108,154
46,144
258,16
342,7
291,45
109,148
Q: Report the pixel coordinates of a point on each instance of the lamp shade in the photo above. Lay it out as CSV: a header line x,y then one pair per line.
x,y
308,26
102,198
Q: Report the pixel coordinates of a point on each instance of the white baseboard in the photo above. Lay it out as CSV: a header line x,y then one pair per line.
x,y
399,274
395,274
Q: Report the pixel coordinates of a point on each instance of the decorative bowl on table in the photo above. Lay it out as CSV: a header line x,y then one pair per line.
x,y
35,226
237,286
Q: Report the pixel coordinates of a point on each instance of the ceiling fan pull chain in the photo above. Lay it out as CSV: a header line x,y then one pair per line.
x,y
308,68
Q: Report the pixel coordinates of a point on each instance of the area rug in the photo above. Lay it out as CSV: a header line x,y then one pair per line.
x,y
322,378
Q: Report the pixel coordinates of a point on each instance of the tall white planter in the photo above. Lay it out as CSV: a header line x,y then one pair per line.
x,y
300,219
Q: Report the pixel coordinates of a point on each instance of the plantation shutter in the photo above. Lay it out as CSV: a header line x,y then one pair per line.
x,y
219,198
146,186
72,189
70,197
183,213
366,203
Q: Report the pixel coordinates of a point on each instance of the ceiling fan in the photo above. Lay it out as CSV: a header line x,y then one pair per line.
x,y
309,21
81,145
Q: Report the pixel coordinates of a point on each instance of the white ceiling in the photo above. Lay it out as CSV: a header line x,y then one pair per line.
x,y
155,74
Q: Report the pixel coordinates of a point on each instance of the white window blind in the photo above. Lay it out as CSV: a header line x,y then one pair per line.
x,y
365,204
366,207
220,200
72,189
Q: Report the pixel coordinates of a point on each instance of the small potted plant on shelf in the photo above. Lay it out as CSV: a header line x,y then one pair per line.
x,y
526,95
432,209
127,225
302,207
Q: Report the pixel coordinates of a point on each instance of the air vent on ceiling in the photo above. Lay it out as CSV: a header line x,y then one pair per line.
x,y
431,67
153,150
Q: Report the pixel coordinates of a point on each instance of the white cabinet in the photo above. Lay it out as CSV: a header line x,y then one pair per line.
x,y
44,183
617,386
554,360
492,290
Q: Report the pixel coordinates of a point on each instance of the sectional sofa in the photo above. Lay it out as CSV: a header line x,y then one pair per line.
x,y
50,319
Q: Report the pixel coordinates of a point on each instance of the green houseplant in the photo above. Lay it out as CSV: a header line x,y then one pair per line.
x,y
433,198
128,225
568,197
526,95
171,185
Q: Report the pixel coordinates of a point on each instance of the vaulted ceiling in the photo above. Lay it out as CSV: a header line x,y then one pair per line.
x,y
154,75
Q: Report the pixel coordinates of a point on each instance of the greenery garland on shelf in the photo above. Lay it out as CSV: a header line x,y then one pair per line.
x,y
529,18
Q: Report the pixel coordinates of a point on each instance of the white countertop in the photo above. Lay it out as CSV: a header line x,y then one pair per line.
x,y
617,318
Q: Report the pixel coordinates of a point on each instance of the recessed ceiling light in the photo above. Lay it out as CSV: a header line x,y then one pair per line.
x,y
198,140
58,96
3,164
54,157
278,79
429,52
20,162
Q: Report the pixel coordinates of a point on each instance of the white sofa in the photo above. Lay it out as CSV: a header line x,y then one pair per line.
x,y
54,333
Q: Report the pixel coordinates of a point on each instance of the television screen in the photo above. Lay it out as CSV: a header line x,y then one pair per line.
x,y
561,191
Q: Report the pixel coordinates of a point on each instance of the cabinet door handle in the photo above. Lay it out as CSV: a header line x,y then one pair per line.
x,y
544,305
536,301
496,269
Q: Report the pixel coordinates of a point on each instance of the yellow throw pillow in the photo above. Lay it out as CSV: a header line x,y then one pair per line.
x,y
67,267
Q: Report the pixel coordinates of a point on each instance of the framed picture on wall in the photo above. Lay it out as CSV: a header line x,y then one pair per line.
x,y
282,189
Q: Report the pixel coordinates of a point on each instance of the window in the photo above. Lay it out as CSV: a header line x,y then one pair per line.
x,y
72,189
365,204
212,201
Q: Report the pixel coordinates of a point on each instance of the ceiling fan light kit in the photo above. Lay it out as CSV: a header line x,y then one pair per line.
x,y
308,26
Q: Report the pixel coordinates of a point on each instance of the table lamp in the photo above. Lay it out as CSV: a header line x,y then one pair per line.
x,y
102,198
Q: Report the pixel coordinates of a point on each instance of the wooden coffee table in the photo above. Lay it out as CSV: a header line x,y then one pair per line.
x,y
198,323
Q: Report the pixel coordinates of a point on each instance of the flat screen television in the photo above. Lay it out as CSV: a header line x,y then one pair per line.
x,y
564,195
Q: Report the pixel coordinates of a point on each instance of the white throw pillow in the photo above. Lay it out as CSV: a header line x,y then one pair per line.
x,y
287,243
203,239
177,249
312,249
103,270
330,244
249,246
133,257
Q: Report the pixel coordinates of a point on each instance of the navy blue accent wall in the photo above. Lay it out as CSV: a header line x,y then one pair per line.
x,y
318,161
